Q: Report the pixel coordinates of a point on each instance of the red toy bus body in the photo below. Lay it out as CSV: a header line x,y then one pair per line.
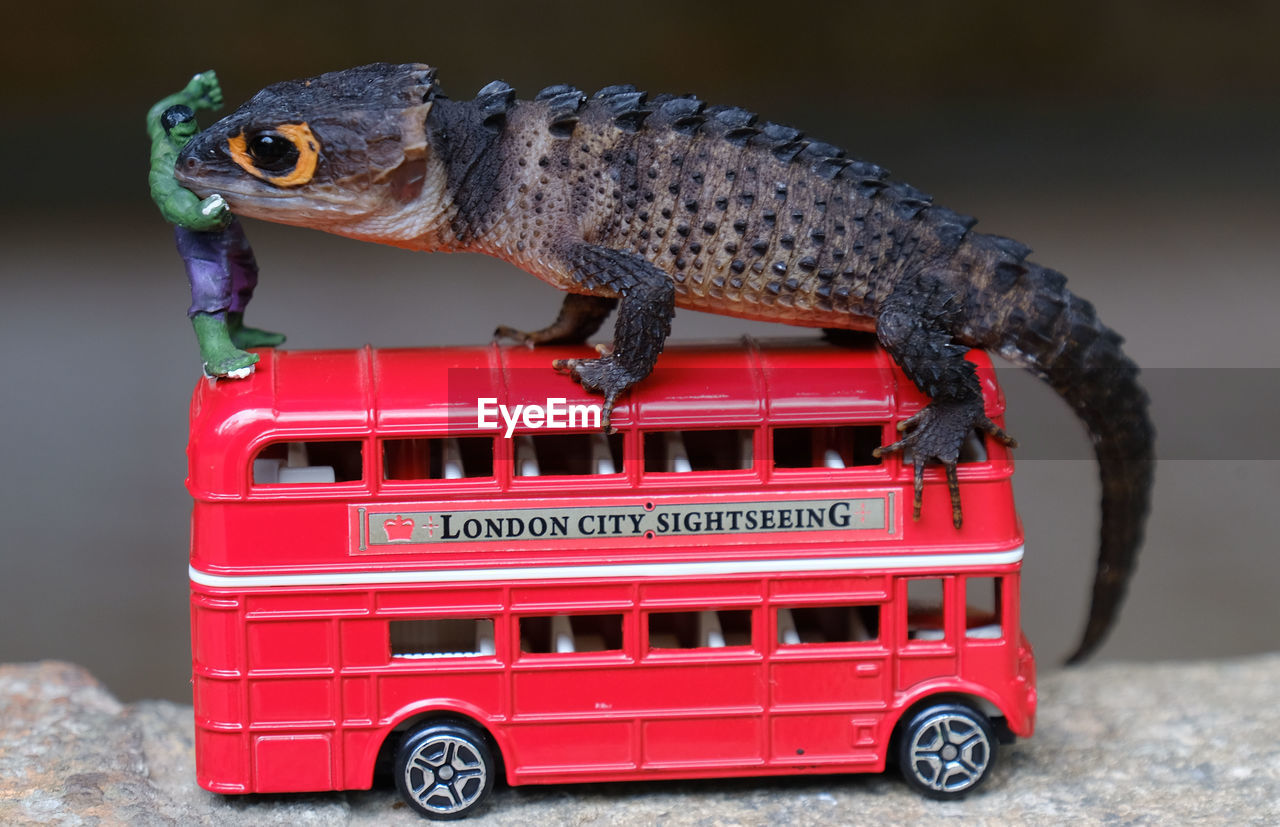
x,y
728,585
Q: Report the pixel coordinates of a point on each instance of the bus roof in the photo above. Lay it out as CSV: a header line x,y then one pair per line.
x,y
336,393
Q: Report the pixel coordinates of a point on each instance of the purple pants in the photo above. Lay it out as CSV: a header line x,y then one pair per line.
x,y
220,267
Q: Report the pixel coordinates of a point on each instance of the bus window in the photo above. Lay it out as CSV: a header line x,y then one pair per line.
x,y
549,455
925,618
563,633
450,637
798,625
984,618
446,458
699,630
840,446
287,463
683,451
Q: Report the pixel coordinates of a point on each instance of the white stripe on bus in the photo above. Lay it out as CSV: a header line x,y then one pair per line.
x,y
897,562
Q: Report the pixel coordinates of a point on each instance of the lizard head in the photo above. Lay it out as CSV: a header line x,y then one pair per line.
x,y
344,152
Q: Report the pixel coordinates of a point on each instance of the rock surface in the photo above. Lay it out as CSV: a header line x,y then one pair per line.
x,y
1181,742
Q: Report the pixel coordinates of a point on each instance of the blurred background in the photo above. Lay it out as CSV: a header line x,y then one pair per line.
x,y
1133,145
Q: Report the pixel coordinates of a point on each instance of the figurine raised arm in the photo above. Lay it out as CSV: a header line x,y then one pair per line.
x,y
219,261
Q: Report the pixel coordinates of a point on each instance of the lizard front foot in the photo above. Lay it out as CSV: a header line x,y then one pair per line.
x,y
580,316
936,435
606,376
520,337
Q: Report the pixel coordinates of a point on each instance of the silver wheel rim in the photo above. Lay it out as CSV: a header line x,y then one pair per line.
x,y
445,774
949,752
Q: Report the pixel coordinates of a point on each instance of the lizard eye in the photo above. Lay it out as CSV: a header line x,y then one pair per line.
x,y
285,156
272,152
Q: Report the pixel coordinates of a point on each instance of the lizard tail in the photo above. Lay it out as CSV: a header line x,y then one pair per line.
x,y
1057,336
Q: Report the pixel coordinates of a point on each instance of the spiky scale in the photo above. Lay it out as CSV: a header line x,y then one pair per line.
x,y
550,92
951,226
738,124
817,152
684,115
780,133
612,91
623,102
564,105
494,101
1010,247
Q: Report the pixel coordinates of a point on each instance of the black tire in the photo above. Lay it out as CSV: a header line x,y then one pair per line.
x,y
947,750
445,770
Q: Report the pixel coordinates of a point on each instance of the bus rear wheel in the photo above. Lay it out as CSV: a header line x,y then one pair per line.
x,y
947,750
445,770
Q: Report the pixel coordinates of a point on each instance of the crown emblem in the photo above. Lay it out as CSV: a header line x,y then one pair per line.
x,y
399,530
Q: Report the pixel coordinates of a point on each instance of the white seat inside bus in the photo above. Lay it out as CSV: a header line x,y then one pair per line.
x,y
564,638
746,450
788,635
991,631
451,457
676,455
307,473
484,639
831,459
526,457
293,470
561,634
709,632
267,471
601,458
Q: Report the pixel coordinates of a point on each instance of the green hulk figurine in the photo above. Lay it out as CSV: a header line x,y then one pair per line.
x,y
220,263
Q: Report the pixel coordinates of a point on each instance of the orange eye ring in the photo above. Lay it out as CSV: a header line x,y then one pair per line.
x,y
304,143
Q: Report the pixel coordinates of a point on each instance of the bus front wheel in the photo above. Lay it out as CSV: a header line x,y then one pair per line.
x,y
947,750
445,770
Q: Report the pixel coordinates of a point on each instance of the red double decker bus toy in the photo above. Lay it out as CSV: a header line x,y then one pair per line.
x,y
437,560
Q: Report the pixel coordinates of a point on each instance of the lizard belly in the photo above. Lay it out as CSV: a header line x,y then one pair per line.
x,y
790,309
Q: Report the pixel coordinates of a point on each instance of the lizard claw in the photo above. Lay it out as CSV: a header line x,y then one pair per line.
x,y
604,376
936,435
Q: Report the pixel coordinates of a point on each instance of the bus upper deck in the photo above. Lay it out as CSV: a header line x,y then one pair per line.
x,y
391,460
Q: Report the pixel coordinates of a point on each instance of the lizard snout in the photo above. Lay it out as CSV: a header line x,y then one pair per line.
x,y
198,162
190,171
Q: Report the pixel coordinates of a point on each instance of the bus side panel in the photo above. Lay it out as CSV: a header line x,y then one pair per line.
x,y
813,688
360,749
217,661
570,746
821,738
269,534
709,741
218,701
296,762
479,690
222,761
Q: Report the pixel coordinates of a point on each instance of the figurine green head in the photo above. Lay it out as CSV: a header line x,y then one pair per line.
x,y
179,124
